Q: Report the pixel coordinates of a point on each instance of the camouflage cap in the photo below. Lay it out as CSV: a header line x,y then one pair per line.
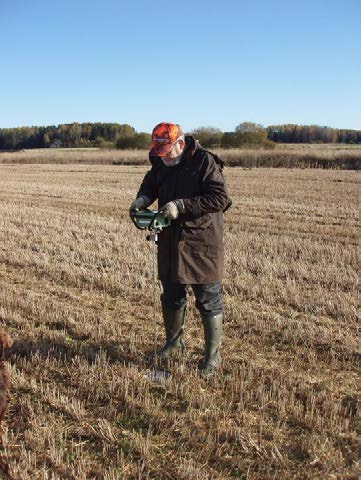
x,y
163,137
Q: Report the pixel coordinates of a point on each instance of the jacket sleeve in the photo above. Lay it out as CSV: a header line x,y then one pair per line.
x,y
214,197
148,187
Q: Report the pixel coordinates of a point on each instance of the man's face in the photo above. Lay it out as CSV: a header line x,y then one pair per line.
x,y
173,156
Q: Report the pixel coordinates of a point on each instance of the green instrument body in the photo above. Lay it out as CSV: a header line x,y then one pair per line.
x,y
150,220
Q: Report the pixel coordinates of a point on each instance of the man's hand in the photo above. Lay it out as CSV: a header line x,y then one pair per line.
x,y
173,209
139,204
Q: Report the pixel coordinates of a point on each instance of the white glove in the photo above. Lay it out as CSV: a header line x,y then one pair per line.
x,y
138,204
173,209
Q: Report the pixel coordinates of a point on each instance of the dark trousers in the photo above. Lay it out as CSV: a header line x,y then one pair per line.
x,y
208,297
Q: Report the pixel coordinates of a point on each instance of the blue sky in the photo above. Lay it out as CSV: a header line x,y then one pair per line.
x,y
195,63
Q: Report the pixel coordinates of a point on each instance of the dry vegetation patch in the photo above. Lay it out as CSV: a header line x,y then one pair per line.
x,y
336,156
76,296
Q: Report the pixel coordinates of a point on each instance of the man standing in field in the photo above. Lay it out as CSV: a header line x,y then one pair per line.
x,y
189,185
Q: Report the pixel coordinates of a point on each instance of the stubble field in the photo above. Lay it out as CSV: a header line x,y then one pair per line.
x,y
76,296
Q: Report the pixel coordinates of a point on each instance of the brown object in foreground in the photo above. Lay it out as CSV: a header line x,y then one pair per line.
x,y
5,342
4,470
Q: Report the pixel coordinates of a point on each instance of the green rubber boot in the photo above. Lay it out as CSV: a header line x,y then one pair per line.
x,y
173,324
212,325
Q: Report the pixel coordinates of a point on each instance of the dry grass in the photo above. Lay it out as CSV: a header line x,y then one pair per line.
x,y
74,155
76,296
284,155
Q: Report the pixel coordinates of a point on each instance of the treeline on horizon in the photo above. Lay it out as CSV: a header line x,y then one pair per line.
x,y
124,136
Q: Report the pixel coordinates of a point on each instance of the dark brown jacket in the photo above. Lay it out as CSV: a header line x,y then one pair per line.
x,y
191,249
